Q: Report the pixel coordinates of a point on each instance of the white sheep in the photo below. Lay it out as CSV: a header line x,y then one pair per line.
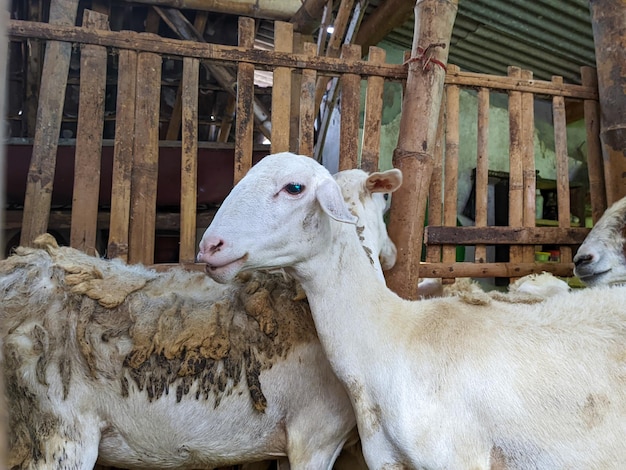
x,y
139,369
435,384
601,259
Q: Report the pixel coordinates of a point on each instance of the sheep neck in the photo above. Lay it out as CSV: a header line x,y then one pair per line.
x,y
346,321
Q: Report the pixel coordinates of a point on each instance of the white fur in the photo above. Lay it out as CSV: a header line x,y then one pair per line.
x,y
601,259
436,384
308,416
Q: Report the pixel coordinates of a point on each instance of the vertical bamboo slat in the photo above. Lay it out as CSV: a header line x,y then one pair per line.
x,y
516,176
123,155
189,160
481,180
451,167
435,207
88,153
145,159
294,100
595,162
245,98
281,90
38,198
350,106
370,148
562,167
307,105
528,164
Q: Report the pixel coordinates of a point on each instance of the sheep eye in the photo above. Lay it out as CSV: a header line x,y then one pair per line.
x,y
294,188
386,196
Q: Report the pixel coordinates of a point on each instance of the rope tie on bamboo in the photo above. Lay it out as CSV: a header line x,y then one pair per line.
x,y
400,154
425,56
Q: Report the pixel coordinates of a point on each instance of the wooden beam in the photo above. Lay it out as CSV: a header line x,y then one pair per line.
x,y
308,16
414,154
510,270
387,16
245,93
492,235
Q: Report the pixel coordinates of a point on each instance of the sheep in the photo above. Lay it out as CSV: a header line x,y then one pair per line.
x,y
601,259
436,383
137,369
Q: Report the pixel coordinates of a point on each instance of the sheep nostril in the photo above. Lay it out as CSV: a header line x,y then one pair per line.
x,y
216,247
583,259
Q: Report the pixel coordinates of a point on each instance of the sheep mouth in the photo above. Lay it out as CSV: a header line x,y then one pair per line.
x,y
591,275
225,271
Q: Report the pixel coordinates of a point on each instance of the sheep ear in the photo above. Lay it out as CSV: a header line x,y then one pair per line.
x,y
330,198
385,181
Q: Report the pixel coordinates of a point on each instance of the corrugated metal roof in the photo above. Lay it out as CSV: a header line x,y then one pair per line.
x,y
548,37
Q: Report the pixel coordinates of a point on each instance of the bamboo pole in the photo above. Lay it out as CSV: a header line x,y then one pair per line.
x,y
281,91
417,138
350,104
370,146
451,165
516,177
245,94
481,181
307,105
435,193
529,177
608,20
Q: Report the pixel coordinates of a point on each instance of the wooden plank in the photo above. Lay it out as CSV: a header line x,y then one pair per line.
x,y
492,235
370,147
33,70
481,180
562,166
528,164
595,162
245,96
189,160
39,183
451,166
146,159
294,101
435,191
510,270
307,106
516,175
123,155
227,119
93,72
281,90
350,108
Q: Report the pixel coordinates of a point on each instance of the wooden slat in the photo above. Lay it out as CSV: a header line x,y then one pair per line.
x,y
595,162
294,101
38,197
510,270
370,148
516,176
145,160
33,70
451,166
562,166
245,97
481,180
350,108
528,164
435,202
189,160
307,106
227,119
493,235
281,90
93,69
123,155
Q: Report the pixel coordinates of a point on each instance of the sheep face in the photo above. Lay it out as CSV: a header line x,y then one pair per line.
x,y
281,192
601,259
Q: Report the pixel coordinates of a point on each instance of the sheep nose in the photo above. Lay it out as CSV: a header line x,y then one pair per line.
x,y
210,246
583,259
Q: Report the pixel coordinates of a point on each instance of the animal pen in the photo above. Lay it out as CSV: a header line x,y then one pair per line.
x,y
117,184
132,220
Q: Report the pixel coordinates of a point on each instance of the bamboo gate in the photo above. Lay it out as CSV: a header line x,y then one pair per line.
x,y
132,217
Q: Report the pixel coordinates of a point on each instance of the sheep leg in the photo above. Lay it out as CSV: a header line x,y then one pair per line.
x,y
69,449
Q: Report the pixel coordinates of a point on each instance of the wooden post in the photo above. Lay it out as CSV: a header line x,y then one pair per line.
x,y
597,190
245,96
39,184
608,20
189,160
418,128
529,176
123,155
93,72
370,147
350,106
516,175
451,163
435,207
281,90
481,180
145,159
307,105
